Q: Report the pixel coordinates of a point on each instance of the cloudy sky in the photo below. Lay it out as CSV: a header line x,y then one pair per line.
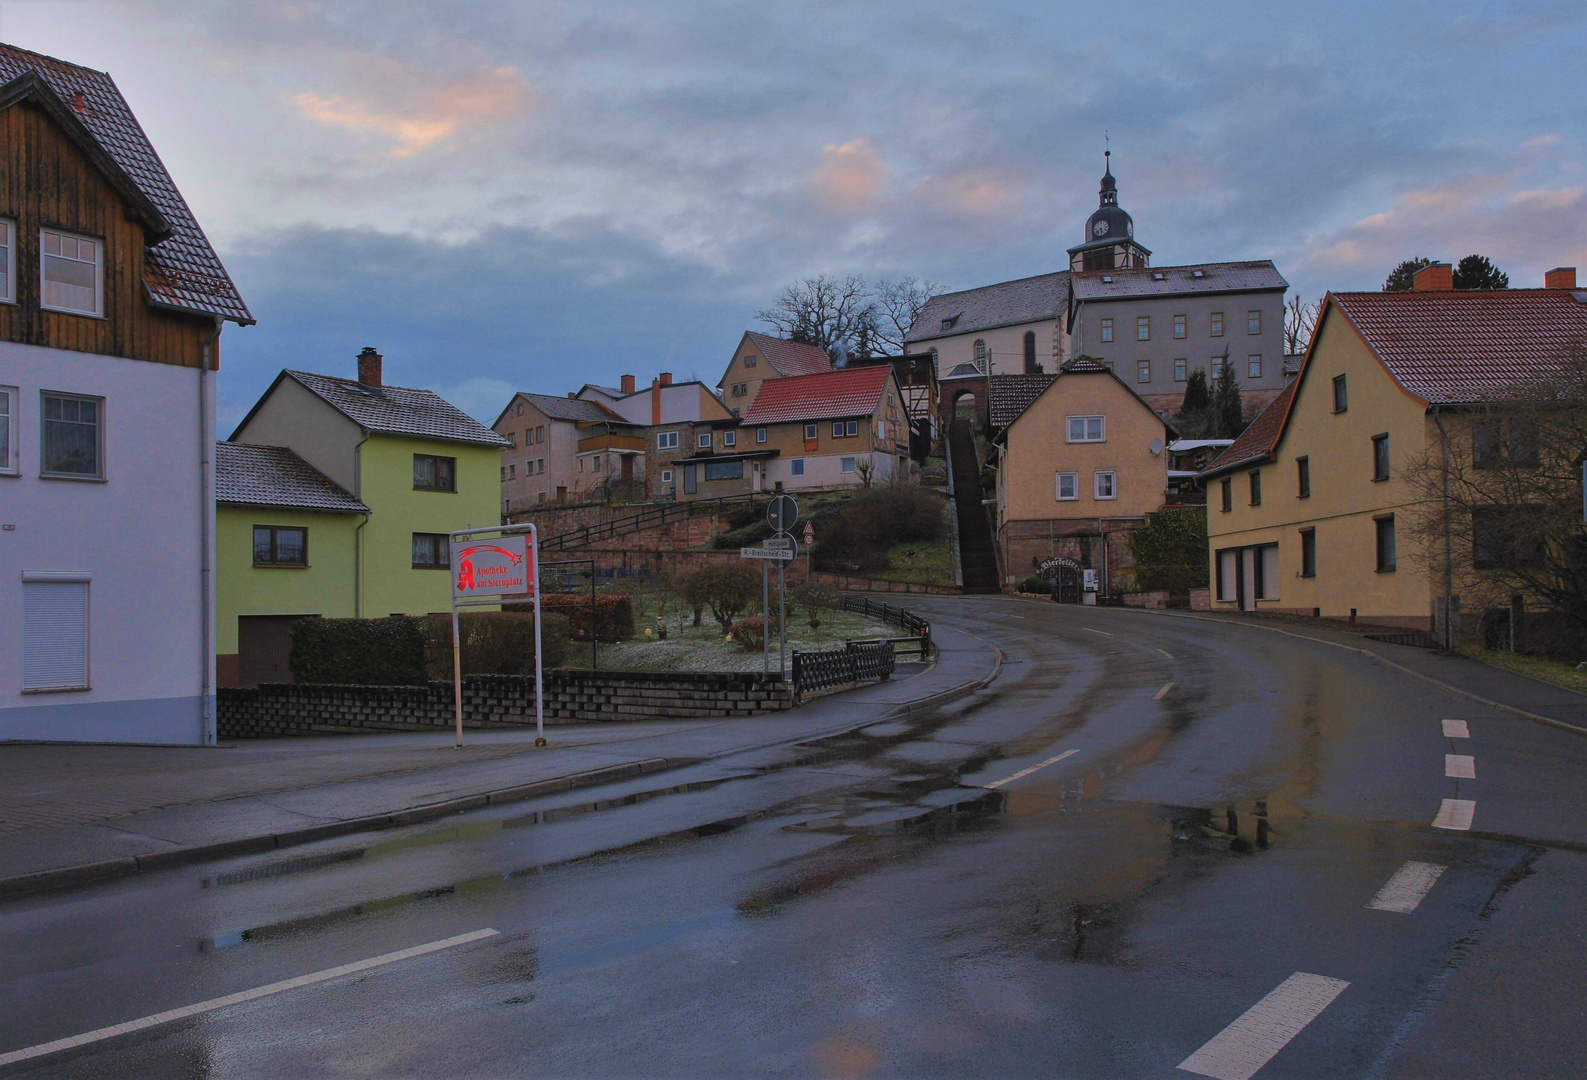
x,y
532,196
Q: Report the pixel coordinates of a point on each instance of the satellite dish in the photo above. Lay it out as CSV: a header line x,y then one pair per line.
x,y
1155,446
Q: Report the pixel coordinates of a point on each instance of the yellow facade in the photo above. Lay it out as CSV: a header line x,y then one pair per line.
x,y
1345,504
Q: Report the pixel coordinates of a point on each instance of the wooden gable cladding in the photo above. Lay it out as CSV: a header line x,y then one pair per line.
x,y
48,182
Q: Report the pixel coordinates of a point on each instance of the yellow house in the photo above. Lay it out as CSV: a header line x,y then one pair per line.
x,y
1078,468
1313,511
760,357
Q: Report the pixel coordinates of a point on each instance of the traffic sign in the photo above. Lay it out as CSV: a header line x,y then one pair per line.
x,y
810,534
782,512
769,553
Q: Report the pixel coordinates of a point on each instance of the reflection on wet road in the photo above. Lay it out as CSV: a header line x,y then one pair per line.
x,y
1153,845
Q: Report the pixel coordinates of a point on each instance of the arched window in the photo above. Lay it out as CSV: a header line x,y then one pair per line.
x,y
933,360
980,355
1030,352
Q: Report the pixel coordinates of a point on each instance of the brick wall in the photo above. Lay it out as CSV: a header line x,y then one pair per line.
x,y
496,701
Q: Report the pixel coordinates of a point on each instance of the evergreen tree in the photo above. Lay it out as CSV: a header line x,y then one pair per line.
x,y
1477,272
1399,279
1228,413
1195,410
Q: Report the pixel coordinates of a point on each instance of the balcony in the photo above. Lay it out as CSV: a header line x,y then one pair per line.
x,y
608,441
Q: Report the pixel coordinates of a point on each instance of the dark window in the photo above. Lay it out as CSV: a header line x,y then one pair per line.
x,y
1308,553
432,551
71,436
724,470
1386,555
1485,445
853,427
431,473
1030,352
1380,457
837,429
1227,486
1256,487
275,545
1341,397
1303,476
1523,442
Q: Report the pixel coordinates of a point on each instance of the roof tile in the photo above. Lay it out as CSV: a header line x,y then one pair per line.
x,y
1010,395
1257,442
842,393
791,357
1007,303
577,410
397,410
250,475
1178,280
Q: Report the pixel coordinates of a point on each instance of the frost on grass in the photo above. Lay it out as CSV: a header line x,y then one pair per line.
x,y
703,648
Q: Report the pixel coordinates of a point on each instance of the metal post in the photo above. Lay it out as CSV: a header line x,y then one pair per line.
x,y
595,656
782,623
540,690
765,612
457,674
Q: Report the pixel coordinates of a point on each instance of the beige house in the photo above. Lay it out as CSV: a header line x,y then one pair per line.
x,y
563,449
1078,468
1312,512
760,357
673,417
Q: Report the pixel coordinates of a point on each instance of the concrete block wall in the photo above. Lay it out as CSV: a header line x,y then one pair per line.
x,y
496,701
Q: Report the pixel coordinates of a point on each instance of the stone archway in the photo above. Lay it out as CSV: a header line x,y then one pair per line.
x,y
951,392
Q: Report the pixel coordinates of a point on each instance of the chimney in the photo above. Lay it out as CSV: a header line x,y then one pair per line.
x,y
1561,277
628,384
1439,277
573,394
666,378
78,104
369,362
655,401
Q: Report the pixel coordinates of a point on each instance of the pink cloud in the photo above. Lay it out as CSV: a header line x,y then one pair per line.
x,y
848,177
415,117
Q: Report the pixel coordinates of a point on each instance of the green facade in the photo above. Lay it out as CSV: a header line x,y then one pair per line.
x,y
324,587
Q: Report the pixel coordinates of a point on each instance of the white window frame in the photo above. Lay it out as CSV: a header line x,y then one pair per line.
x,y
99,273
1074,486
811,431
729,438
705,441
846,465
8,261
666,476
853,428
31,684
666,440
1112,480
837,429
1085,429
760,434
12,447
99,434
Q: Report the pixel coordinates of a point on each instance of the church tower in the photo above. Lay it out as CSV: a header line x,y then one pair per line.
x,y
1109,241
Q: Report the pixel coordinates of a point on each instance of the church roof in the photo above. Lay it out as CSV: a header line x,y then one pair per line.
x,y
1008,303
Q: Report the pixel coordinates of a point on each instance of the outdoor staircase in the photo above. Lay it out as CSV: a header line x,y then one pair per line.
x,y
977,556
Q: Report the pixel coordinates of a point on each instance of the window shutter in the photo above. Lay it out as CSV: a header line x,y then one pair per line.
x,y
54,635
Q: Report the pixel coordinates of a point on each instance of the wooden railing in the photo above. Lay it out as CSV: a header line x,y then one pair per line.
x,y
856,662
918,629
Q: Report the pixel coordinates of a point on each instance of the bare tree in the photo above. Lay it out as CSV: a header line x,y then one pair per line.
x,y
1300,321
898,305
824,311
1501,496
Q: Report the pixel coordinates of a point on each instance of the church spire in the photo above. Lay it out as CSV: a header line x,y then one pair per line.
x,y
1109,195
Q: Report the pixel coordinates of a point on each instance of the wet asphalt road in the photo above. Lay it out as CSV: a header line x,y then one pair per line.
x,y
867,907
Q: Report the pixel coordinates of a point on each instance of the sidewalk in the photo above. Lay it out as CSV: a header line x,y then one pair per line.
x,y
74,814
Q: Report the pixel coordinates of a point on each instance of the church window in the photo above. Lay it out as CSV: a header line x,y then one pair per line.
x,y
980,354
1030,352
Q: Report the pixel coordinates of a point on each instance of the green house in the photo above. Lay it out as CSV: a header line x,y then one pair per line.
x,y
417,467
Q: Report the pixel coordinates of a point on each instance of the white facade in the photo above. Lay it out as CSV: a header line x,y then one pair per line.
x,y
138,541
823,471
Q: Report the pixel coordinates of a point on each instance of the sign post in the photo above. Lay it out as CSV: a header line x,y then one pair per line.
x,y
489,565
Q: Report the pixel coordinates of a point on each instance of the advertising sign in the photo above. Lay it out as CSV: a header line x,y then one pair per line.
x,y
500,566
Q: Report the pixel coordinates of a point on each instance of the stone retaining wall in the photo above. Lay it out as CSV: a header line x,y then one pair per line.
x,y
496,701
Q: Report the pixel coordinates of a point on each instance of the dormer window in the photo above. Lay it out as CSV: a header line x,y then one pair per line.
x,y
1107,279
8,264
1198,273
951,321
71,272
1158,275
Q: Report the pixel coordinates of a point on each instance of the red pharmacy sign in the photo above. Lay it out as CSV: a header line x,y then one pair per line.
x,y
503,566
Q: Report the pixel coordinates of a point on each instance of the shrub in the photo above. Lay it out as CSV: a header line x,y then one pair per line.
x,y
362,652
614,615
814,598
496,642
1035,585
1171,551
750,634
875,520
728,590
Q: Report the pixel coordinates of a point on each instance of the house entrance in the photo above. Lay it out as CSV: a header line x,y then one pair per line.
x,y
1064,577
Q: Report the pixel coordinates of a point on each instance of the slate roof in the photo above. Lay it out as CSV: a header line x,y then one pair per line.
x,y
1178,280
394,410
1460,347
845,392
1010,395
577,410
1080,365
1007,303
180,271
1258,441
965,370
251,475
790,357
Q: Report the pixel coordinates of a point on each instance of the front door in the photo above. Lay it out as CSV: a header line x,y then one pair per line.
x,y
689,487
754,476
1067,589
628,466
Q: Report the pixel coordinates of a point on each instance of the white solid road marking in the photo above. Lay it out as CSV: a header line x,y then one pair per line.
x,y
1460,766
1456,729
1166,653
235,999
1240,1049
1163,692
995,784
1455,815
1407,887
1104,633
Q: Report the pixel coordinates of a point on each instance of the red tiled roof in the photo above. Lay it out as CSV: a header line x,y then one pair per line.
x,y
1257,442
182,270
790,357
842,393
1458,347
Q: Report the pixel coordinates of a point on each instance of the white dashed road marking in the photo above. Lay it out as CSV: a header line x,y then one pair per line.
x,y
1455,815
1407,887
1166,653
238,998
1104,633
1240,1049
1456,729
995,784
1460,766
1163,692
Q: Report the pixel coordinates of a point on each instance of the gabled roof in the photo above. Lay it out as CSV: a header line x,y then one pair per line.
x,y
250,475
1257,442
181,270
1084,365
1453,347
845,392
790,357
1007,303
1010,395
1178,280
389,410
966,370
575,410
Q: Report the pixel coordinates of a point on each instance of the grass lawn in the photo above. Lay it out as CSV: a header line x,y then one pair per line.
x,y
702,648
929,562
1553,671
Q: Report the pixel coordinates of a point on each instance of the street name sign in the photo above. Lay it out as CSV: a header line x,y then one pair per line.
x,y
770,553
